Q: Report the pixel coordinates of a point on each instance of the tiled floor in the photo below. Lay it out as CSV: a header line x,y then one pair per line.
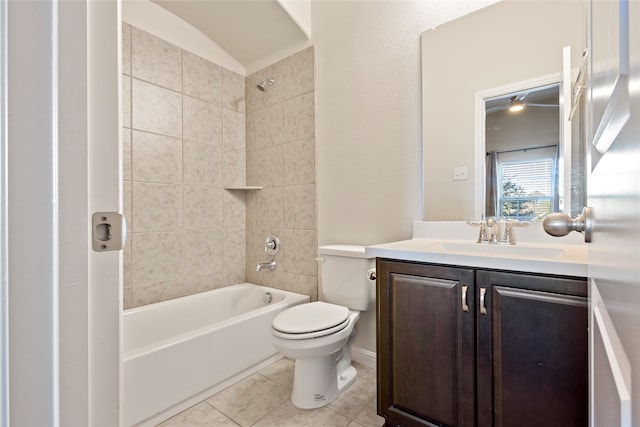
x,y
264,400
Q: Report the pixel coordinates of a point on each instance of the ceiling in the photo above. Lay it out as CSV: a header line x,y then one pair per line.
x,y
540,96
248,30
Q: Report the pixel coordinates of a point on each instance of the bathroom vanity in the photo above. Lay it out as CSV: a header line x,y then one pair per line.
x,y
472,335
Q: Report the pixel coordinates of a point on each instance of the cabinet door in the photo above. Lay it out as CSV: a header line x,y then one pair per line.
x,y
425,345
532,350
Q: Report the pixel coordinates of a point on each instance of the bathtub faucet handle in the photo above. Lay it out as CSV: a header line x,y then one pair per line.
x,y
271,245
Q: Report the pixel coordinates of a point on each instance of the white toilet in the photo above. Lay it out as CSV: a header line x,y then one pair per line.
x,y
319,335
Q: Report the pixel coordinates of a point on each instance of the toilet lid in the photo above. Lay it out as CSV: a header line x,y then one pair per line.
x,y
312,317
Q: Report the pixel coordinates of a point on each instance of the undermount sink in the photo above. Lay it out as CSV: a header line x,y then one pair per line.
x,y
496,249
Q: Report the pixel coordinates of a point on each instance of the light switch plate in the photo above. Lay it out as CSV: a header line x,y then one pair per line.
x,y
460,173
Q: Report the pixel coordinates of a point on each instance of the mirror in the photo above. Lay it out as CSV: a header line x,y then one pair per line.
x,y
475,62
523,161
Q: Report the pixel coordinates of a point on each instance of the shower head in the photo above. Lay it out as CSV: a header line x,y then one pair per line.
x,y
266,83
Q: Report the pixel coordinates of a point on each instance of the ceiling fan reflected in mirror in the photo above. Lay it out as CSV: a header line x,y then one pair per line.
x,y
545,97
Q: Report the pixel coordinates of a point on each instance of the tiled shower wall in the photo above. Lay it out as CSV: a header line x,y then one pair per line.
x,y
281,158
185,139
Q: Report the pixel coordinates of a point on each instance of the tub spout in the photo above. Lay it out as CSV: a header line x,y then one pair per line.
x,y
270,265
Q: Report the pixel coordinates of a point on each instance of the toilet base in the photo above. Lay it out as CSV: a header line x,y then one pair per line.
x,y
318,382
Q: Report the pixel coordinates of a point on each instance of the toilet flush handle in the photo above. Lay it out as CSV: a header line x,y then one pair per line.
x,y
371,274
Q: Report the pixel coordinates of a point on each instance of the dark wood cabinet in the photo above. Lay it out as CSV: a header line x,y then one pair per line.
x,y
459,346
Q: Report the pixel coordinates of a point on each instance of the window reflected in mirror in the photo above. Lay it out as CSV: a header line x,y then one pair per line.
x,y
522,141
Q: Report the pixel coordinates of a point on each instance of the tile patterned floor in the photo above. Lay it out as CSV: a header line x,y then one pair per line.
x,y
263,400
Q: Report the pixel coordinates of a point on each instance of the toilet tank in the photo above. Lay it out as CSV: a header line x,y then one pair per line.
x,y
343,276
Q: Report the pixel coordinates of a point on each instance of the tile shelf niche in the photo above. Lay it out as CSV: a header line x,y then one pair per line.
x,y
244,187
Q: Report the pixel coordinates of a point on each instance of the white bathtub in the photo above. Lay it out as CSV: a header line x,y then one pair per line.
x,y
181,351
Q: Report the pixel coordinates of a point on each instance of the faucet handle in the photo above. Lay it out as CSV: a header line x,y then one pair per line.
x,y
482,237
271,245
509,236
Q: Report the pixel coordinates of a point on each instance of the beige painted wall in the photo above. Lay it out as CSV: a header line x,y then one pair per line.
x,y
369,122
369,115
518,48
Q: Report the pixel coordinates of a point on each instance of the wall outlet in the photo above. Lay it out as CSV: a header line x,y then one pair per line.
x,y
460,173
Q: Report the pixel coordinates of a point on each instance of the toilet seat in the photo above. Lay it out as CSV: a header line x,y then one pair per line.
x,y
313,320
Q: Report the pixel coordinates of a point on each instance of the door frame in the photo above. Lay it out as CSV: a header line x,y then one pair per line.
x,y
60,162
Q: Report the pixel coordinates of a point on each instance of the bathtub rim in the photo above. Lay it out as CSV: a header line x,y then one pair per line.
x,y
290,299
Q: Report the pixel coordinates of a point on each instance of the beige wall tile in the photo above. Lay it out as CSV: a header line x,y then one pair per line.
x,y
233,130
257,99
202,164
202,78
300,207
274,165
126,101
202,121
156,158
156,257
306,285
267,126
234,167
127,300
298,73
234,275
234,209
299,162
126,49
202,208
155,109
203,251
204,282
156,207
267,207
251,168
298,118
126,154
126,263
149,293
126,204
233,90
209,244
268,166
300,252
155,60
126,253
234,248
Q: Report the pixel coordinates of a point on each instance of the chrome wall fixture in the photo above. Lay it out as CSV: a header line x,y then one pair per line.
x,y
271,247
263,85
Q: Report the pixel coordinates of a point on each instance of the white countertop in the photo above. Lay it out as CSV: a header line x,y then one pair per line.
x,y
537,254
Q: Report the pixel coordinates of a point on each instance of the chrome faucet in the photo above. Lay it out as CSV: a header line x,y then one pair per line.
x,y
490,232
270,265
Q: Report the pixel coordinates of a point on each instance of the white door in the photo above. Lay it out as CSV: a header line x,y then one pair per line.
x,y
60,162
613,138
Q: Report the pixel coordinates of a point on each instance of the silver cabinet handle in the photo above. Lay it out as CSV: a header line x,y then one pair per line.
x,y
483,308
465,306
